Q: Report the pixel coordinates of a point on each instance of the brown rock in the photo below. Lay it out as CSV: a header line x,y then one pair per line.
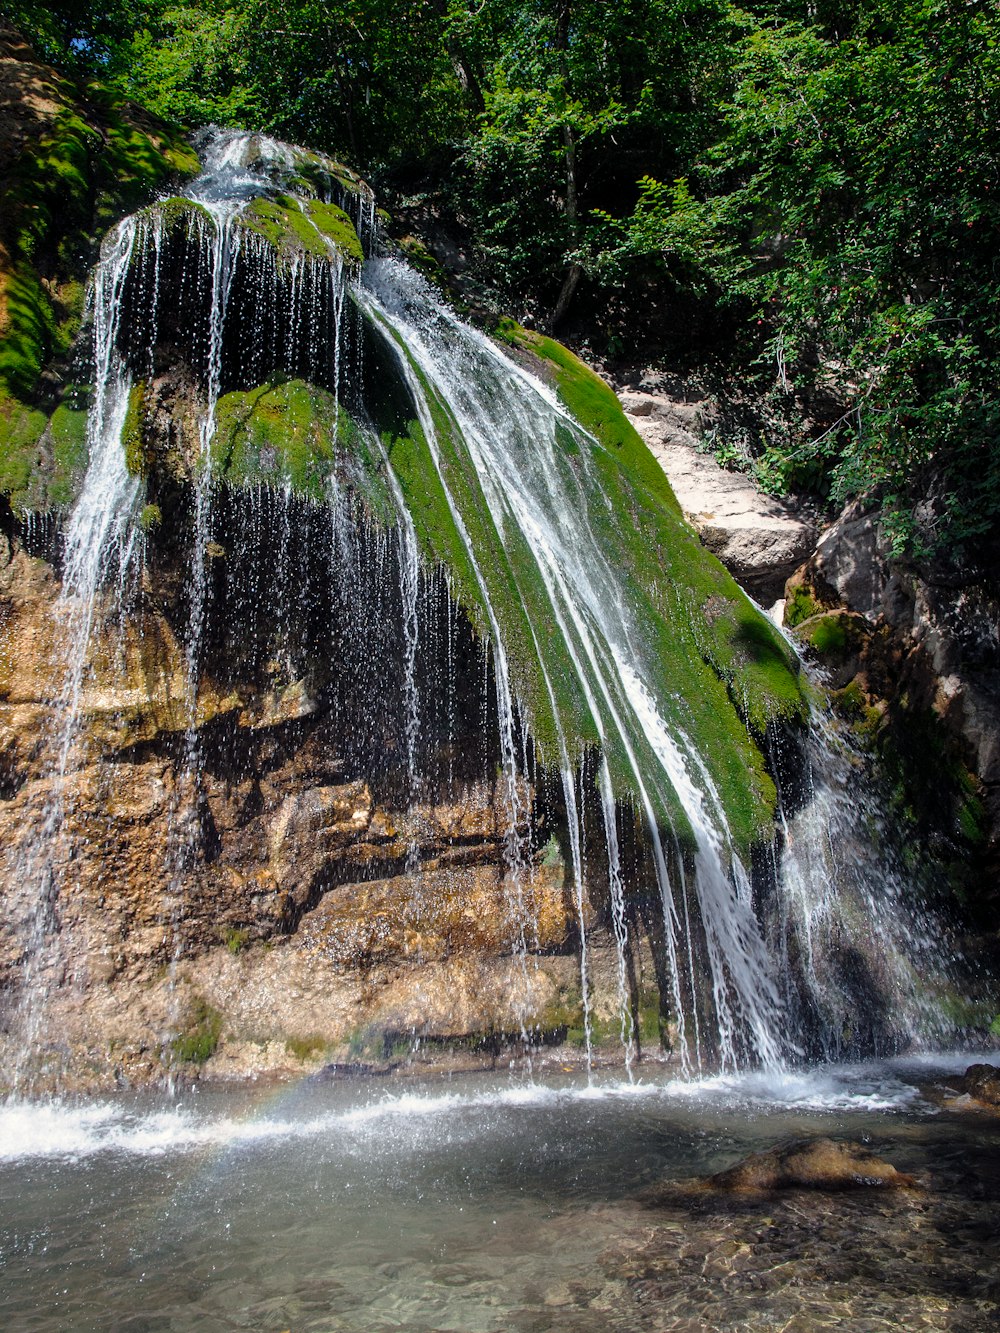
x,y
822,1164
983,1083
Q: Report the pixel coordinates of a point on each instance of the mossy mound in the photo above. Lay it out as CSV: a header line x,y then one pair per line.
x,y
698,615
720,674
88,160
42,456
292,434
316,176
304,226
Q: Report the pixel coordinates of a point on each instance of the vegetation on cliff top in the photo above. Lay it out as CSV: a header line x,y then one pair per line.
x,y
86,158
802,194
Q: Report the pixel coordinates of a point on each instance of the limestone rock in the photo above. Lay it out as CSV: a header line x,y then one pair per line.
x,y
822,1164
850,558
432,914
759,540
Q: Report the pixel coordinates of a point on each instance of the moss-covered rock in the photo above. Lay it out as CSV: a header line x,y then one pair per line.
x,y
42,455
303,226
723,669
85,158
292,434
138,458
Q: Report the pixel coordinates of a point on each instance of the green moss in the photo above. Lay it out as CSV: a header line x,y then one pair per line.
x,y
138,459
42,458
419,257
150,517
551,853
68,437
718,666
709,658
306,1048
21,429
177,213
237,939
92,166
800,605
200,1038
294,434
826,635
30,332
319,176
304,226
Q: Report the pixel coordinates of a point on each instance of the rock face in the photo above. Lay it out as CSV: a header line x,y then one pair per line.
x,y
921,647
759,540
284,901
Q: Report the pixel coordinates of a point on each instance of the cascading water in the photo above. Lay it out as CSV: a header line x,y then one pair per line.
x,y
99,546
865,961
375,501
506,424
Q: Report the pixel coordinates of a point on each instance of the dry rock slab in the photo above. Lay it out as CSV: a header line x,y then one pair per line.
x,y
759,539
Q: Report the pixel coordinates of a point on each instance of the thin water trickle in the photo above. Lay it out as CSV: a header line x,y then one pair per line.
x,y
99,545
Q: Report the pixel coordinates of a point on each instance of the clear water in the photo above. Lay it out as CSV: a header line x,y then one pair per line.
x,y
478,1204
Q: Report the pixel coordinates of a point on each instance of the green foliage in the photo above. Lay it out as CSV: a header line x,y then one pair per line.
x,y
807,189
846,207
199,1040
237,939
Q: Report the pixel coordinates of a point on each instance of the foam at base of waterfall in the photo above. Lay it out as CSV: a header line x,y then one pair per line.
x,y
416,1120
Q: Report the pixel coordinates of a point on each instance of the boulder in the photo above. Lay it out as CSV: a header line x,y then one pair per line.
x,y
983,1083
849,558
758,538
820,1164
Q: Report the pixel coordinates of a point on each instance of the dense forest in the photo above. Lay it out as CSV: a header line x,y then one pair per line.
x,y
795,201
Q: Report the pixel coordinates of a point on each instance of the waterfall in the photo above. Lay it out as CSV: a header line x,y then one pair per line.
x,y
382,498
864,956
506,426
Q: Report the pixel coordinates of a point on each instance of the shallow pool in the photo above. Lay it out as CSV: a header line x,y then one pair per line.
x,y
483,1203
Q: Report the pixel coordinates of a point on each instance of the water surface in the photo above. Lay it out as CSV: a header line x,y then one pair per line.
x,y
479,1204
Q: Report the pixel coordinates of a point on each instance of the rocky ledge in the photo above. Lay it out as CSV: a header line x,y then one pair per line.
x,y
759,539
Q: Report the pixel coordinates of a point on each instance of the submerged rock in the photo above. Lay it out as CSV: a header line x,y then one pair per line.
x,y
982,1082
820,1164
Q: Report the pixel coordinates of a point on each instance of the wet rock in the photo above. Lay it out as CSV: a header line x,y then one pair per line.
x,y
820,1164
983,1083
